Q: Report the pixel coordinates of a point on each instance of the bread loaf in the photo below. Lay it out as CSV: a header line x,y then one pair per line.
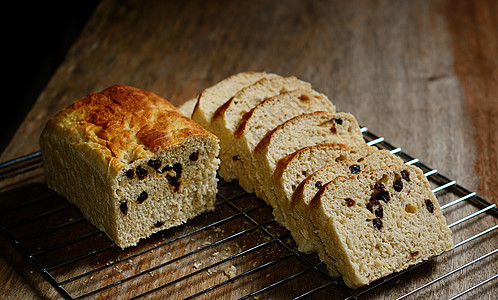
x,y
131,162
285,142
379,222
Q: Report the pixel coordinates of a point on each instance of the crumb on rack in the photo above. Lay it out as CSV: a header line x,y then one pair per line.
x,y
230,272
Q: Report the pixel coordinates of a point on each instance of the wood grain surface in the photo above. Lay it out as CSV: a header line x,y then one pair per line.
x,y
422,74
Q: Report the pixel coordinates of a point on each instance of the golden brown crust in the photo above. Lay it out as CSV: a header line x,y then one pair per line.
x,y
242,127
125,119
221,110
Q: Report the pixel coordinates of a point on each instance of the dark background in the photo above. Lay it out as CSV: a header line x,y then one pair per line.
x,y
38,36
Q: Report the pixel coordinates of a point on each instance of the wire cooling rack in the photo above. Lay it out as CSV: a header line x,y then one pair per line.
x,y
236,251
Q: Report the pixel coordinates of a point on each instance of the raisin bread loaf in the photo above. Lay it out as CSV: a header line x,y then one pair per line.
x,y
268,115
300,224
227,118
131,162
304,130
378,222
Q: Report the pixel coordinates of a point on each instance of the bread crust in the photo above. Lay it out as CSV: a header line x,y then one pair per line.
x,y
124,124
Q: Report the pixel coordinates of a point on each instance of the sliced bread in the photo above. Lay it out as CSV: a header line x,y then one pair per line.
x,y
227,118
268,115
299,132
378,222
299,222
213,97
187,108
295,167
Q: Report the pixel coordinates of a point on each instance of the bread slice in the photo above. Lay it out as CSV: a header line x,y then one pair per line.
x,y
378,222
228,117
300,224
266,116
295,167
213,97
187,108
299,132
131,162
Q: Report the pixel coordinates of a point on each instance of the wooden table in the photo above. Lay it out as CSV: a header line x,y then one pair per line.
x,y
423,74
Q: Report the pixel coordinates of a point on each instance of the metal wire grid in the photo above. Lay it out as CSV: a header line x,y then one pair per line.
x,y
81,262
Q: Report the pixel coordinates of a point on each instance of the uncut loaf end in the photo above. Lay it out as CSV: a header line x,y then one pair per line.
x,y
131,162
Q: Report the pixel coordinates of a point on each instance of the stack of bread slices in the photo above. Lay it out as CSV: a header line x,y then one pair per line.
x,y
364,211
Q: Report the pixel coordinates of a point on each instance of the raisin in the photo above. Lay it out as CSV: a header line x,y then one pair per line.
x,y
142,197
377,223
154,163
178,169
172,179
159,224
130,173
413,254
374,201
236,157
430,206
355,169
398,185
379,212
318,184
333,129
141,172
167,168
177,186
405,175
123,206
384,196
194,156
369,206
349,202
379,186
338,121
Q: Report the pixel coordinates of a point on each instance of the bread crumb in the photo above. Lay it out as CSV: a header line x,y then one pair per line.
x,y
211,271
215,254
206,243
230,272
197,264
